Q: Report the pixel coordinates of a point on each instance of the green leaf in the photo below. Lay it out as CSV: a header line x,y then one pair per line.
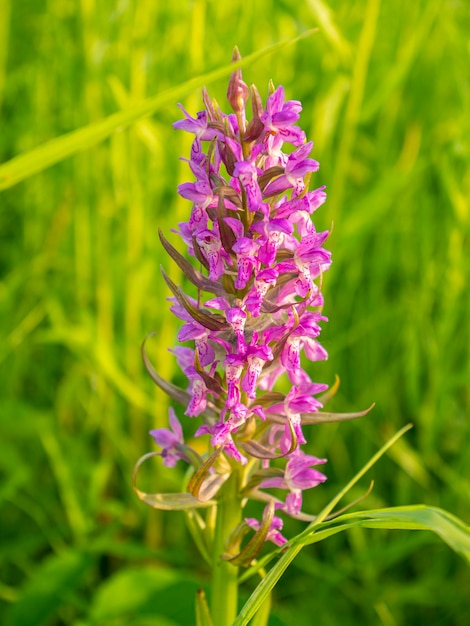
x,y
53,582
262,616
166,501
134,594
417,517
60,148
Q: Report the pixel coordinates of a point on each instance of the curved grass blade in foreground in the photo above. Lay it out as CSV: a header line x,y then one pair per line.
x,y
58,149
417,517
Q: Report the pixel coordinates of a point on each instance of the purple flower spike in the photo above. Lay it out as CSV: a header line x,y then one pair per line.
x,y
252,314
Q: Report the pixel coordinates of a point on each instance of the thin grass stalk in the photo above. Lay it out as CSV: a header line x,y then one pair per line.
x,y
353,110
5,9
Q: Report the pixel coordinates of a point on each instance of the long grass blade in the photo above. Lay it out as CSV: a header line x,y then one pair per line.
x,y
60,148
267,584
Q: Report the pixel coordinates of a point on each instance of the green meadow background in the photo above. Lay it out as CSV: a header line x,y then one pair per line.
x,y
385,87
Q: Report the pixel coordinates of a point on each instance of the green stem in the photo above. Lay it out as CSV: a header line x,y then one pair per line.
x,y
224,585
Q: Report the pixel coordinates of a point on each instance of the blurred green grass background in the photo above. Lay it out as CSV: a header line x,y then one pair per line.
x,y
385,88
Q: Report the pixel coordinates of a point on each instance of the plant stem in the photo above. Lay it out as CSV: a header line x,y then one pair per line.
x,y
224,585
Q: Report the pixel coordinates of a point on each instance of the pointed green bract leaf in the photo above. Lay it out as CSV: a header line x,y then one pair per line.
x,y
227,236
203,485
212,486
203,616
212,322
250,552
198,279
330,392
327,418
263,474
181,396
177,394
197,527
165,501
271,397
253,547
212,382
60,148
258,451
172,501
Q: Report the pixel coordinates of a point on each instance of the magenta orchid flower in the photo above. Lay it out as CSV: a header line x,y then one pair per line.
x,y
254,317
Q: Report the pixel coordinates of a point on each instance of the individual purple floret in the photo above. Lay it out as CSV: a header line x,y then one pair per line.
x,y
274,531
298,476
170,441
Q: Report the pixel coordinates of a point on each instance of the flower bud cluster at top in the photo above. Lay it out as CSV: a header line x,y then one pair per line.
x,y
261,259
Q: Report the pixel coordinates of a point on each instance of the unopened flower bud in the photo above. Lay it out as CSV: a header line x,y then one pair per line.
x,y
237,92
255,127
